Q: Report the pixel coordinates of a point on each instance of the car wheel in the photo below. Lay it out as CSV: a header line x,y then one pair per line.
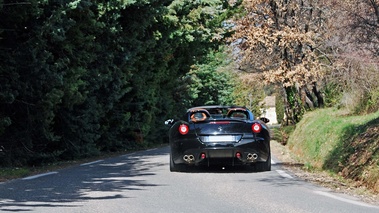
x,y
176,167
172,165
264,166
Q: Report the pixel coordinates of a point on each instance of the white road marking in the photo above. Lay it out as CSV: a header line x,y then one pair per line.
x,y
89,163
284,174
40,175
345,200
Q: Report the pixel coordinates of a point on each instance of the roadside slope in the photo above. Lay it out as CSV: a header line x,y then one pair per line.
x,y
346,145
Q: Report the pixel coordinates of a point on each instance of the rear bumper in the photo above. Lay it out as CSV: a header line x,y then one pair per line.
x,y
242,153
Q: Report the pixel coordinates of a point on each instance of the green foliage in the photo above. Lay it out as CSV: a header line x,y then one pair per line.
x,y
282,133
368,103
294,107
83,77
9,173
209,83
333,94
249,94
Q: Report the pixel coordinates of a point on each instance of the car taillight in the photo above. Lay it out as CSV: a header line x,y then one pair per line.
x,y
183,129
203,155
238,155
256,128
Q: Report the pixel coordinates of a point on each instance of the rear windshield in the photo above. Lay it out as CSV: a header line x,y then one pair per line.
x,y
199,116
238,115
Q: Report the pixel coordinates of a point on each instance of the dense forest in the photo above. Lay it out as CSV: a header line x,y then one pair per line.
x,y
78,78
83,77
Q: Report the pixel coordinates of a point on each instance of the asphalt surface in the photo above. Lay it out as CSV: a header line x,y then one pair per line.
x,y
142,182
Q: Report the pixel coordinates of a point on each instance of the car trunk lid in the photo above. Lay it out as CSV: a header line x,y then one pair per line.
x,y
222,127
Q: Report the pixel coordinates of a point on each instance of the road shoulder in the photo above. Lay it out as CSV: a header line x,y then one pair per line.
x,y
322,178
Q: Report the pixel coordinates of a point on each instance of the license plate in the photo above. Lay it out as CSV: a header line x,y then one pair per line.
x,y
219,138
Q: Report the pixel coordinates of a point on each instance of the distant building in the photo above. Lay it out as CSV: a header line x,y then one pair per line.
x,y
268,109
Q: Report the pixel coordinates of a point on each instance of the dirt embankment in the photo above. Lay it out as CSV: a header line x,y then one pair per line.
x,y
362,165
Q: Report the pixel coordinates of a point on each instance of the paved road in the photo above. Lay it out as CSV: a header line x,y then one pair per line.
x,y
141,182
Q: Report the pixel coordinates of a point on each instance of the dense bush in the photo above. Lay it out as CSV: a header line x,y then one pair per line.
x,y
355,89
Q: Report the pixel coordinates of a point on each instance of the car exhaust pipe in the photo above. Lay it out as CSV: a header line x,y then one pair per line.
x,y
189,158
251,156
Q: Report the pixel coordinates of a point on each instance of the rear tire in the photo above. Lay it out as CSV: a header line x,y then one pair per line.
x,y
177,167
264,166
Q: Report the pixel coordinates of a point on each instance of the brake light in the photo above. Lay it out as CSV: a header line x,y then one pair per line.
x,y
256,128
183,129
202,156
238,155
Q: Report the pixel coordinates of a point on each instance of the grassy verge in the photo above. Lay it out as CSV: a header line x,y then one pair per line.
x,y
332,140
281,134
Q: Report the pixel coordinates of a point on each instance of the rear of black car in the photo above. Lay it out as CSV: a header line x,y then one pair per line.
x,y
223,141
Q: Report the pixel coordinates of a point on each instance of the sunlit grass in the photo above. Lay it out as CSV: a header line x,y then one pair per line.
x,y
323,131
342,144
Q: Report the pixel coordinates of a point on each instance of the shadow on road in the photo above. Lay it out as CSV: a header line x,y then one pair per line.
x,y
69,187
109,179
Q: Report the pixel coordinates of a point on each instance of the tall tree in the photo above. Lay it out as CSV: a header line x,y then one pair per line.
x,y
280,39
353,45
364,24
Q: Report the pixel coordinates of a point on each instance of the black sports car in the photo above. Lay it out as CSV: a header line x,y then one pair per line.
x,y
219,135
